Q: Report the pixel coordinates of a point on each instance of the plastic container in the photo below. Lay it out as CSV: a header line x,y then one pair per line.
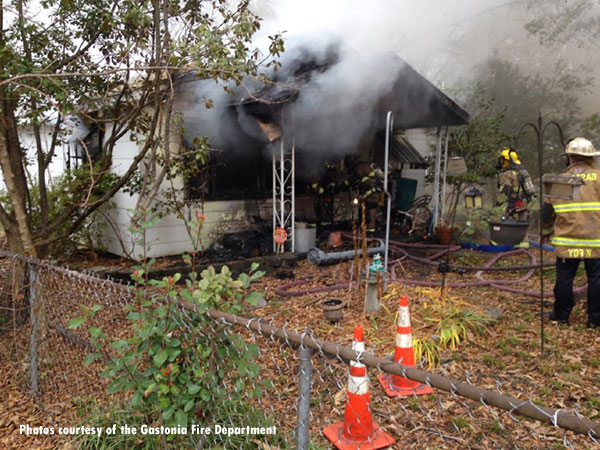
x,y
306,237
508,232
487,248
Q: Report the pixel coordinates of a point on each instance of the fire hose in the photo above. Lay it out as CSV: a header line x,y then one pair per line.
x,y
396,248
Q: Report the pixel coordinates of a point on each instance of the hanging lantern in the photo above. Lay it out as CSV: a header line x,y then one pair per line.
x,y
473,199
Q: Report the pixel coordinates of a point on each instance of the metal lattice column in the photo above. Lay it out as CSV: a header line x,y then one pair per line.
x,y
284,192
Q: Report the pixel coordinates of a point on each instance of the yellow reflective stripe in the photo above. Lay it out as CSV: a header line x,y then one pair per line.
x,y
575,242
585,206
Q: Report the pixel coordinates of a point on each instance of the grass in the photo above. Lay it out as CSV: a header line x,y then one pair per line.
x,y
594,362
495,427
414,404
504,347
573,378
513,341
594,402
492,361
461,423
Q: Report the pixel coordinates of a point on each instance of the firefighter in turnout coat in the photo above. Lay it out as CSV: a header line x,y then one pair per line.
x,y
515,183
576,234
367,181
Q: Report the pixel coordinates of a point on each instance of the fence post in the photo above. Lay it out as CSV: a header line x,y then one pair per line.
x,y
305,378
33,344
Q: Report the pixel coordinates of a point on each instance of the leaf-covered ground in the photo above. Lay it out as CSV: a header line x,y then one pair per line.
x,y
505,358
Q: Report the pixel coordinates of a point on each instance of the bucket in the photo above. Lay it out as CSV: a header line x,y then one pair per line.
x,y
306,237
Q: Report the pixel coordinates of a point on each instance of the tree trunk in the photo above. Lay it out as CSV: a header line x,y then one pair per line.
x,y
19,236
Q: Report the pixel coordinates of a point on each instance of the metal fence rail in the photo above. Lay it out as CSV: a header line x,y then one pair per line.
x,y
308,377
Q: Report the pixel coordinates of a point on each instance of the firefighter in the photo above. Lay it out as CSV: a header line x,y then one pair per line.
x,y
323,190
576,234
366,181
514,182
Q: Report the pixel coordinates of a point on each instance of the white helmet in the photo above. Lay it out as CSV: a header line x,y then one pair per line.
x,y
581,146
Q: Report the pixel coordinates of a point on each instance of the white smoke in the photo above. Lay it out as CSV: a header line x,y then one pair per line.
x,y
427,34
444,41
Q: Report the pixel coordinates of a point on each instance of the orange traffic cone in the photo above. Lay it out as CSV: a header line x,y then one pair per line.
x,y
395,385
358,431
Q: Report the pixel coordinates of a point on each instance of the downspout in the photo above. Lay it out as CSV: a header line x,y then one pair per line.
x,y
389,129
293,200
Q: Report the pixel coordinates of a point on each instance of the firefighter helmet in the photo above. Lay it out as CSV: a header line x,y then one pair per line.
x,y
581,146
510,155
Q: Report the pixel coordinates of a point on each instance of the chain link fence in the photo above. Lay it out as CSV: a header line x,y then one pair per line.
x,y
306,384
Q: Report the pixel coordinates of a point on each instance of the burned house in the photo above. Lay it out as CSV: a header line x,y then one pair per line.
x,y
270,140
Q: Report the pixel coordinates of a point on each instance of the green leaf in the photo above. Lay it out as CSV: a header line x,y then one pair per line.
x,y
253,369
116,385
189,405
96,308
174,342
181,418
254,297
173,353
133,316
75,322
160,358
91,357
119,343
149,389
164,402
167,413
257,392
95,332
193,388
136,399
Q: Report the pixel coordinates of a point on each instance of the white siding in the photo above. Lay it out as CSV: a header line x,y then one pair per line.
x,y
422,143
170,236
57,164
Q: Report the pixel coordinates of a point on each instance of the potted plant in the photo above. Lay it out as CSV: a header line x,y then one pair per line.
x,y
477,224
490,225
444,232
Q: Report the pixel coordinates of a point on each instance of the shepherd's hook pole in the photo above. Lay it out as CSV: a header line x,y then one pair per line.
x,y
540,130
540,151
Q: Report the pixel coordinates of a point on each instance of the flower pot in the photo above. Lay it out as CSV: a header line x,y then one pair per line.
x,y
508,232
333,310
444,234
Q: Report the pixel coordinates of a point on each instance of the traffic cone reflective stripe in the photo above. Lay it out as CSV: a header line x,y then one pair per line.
x,y
396,385
358,430
404,352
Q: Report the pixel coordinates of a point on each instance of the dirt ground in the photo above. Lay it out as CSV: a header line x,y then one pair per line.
x,y
505,358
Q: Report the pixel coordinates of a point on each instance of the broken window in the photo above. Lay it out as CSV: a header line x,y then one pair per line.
x,y
84,150
232,175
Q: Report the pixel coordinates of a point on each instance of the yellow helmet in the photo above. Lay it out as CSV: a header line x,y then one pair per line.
x,y
581,146
510,154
